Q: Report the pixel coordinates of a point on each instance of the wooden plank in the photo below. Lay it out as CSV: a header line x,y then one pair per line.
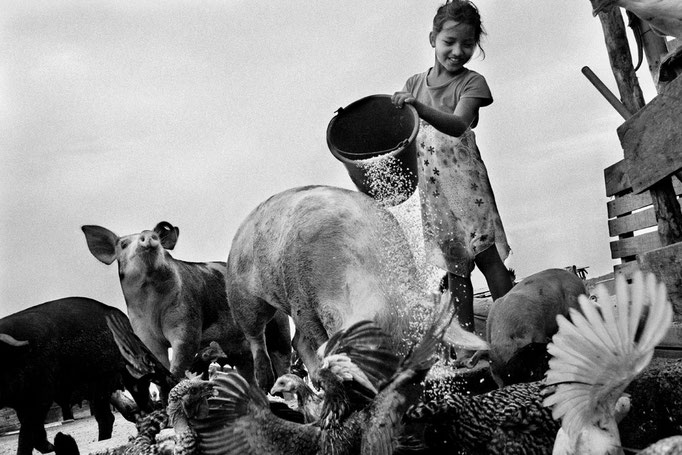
x,y
666,264
626,268
652,138
616,178
632,222
617,181
630,202
634,245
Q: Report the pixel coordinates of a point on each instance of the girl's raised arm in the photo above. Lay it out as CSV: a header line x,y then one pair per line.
x,y
454,124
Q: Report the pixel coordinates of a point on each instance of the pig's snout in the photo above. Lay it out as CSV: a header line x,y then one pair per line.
x,y
148,240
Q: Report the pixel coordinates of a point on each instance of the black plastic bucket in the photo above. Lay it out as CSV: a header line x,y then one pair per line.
x,y
376,143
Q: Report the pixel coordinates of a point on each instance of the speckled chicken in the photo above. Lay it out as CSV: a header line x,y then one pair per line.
x,y
309,402
596,355
510,420
187,400
366,391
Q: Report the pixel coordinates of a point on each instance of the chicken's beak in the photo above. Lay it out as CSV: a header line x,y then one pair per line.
x,y
276,391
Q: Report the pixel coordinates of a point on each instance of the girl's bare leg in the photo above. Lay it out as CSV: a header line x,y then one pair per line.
x,y
462,294
496,274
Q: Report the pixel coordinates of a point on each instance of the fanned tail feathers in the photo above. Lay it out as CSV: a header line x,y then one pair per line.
x,y
599,352
217,432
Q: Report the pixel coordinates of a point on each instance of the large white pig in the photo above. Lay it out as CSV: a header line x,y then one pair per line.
x,y
178,304
328,257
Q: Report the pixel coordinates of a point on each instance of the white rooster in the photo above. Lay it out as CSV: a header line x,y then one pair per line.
x,y
596,356
664,16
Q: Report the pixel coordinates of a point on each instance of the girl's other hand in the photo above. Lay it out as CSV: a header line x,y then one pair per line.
x,y
399,99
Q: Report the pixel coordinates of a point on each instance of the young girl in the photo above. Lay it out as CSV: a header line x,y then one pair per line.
x,y
459,216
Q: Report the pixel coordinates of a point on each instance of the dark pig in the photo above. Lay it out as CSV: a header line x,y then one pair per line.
x,y
52,351
523,321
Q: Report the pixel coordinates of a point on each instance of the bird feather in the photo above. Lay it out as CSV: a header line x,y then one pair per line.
x,y
598,353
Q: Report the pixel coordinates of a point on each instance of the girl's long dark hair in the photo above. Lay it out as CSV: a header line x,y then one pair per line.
x,y
462,11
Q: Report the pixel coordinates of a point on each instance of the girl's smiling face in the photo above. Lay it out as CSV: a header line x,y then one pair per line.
x,y
454,44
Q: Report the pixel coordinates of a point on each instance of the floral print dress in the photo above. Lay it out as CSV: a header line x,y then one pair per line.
x,y
459,213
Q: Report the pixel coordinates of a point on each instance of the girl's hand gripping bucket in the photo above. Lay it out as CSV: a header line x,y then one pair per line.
x,y
376,142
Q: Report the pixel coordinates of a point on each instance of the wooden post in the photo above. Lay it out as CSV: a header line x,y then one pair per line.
x,y
620,57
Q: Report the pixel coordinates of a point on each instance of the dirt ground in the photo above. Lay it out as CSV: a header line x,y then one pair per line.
x,y
84,431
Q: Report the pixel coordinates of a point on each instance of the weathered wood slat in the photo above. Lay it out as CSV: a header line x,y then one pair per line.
x,y
627,203
626,268
666,264
617,181
632,222
634,245
616,178
630,202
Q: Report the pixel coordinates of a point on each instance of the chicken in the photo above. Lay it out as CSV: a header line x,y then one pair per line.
x,y
183,402
187,400
366,390
510,420
664,16
596,355
309,402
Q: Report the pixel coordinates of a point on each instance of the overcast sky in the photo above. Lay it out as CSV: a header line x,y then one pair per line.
x,y
123,114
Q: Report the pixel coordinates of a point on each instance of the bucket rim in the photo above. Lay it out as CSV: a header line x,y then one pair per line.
x,y
367,155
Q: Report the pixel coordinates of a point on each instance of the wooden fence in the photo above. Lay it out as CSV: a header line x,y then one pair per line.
x,y
630,216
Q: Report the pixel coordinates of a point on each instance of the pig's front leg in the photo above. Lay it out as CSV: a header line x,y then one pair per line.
x,y
184,348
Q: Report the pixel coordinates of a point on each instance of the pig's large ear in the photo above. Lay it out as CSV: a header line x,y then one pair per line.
x,y
101,243
168,234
